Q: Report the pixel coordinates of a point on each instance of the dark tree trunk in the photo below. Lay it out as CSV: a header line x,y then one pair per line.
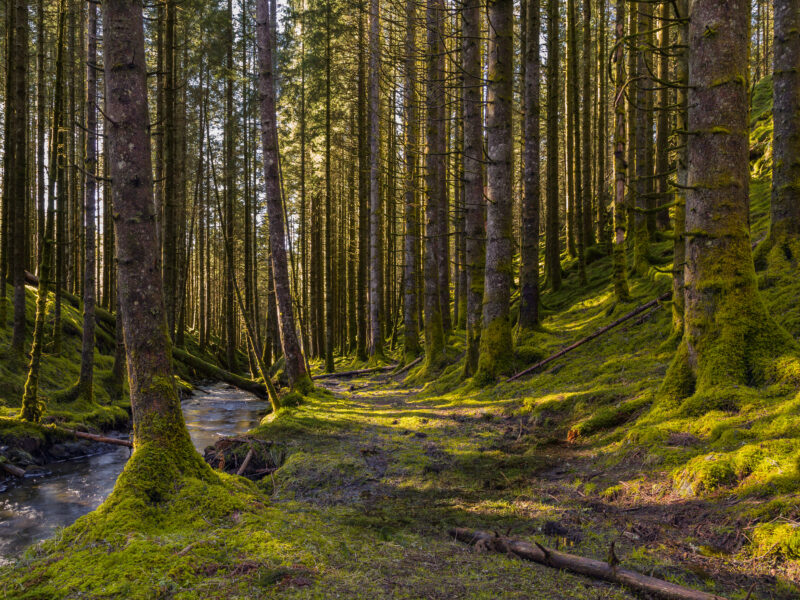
x,y
295,362
375,206
474,204
529,251
620,270
681,11
496,344
411,344
552,257
363,195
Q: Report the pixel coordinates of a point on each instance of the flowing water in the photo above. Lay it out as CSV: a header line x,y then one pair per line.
x,y
32,510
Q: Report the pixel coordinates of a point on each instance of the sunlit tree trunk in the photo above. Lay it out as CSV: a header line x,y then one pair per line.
x,y
552,257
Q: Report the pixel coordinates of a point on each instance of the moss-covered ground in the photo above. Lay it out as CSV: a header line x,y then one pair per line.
x,y
584,453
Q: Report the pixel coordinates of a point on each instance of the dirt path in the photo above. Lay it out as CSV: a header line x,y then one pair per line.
x,y
397,469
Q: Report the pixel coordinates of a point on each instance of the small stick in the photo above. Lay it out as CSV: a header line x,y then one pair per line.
x,y
245,462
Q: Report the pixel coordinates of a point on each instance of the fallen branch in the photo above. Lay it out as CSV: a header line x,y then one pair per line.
x,y
214,372
409,366
354,373
12,469
483,540
599,332
99,438
246,461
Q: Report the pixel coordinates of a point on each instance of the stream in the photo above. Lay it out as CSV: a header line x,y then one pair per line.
x,y
32,510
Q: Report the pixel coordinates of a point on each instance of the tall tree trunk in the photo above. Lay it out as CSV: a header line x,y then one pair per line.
x,y
474,204
230,192
375,208
31,406
620,221
785,206
329,313
641,235
574,120
434,330
363,194
552,257
295,362
158,426
411,346
529,251
496,344
586,135
661,197
18,115
729,338
681,11
169,256
41,111
90,166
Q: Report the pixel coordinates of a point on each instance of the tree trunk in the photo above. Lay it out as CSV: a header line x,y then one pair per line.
x,y
375,208
785,206
411,346
90,166
641,239
552,257
729,338
620,270
329,313
363,195
496,344
158,425
434,329
295,362
586,135
529,251
681,11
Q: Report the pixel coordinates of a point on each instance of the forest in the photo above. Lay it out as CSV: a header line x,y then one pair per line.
x,y
400,299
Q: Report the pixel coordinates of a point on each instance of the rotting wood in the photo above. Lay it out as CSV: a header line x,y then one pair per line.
x,y
355,373
588,338
214,372
598,569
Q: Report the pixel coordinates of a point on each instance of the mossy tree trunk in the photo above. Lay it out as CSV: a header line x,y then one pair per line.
x,y
552,258
496,344
158,426
785,206
363,194
529,251
295,362
411,344
474,204
680,12
641,235
586,132
729,338
31,407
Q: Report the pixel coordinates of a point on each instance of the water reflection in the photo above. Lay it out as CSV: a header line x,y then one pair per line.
x,y
34,509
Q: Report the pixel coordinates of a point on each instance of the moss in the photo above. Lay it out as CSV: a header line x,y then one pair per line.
x,y
496,351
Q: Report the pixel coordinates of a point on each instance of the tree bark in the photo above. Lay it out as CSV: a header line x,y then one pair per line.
x,y
375,205
474,203
529,251
785,206
496,343
620,271
552,256
90,167
411,346
295,362
158,424
729,338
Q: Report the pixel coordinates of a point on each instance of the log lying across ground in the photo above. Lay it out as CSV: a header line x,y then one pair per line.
x,y
409,366
214,372
355,373
599,332
99,438
491,542
12,469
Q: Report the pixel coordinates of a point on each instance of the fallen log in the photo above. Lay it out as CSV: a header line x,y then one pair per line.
x,y
590,337
491,542
409,366
214,372
355,373
99,438
12,469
